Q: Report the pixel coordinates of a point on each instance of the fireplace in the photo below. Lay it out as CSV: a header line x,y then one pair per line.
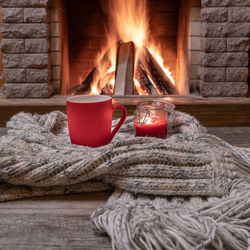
x,y
121,52
50,46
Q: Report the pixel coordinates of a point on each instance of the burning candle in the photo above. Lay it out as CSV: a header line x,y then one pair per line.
x,y
152,128
151,119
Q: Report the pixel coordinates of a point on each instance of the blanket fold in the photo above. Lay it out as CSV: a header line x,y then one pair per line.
x,y
188,191
37,153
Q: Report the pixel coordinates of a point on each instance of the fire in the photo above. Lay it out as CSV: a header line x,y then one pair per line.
x,y
139,89
159,59
128,22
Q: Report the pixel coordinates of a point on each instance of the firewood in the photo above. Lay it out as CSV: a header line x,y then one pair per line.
x,y
124,69
85,85
156,73
107,90
142,77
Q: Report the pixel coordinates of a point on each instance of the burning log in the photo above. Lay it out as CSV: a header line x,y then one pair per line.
x,y
142,77
155,72
125,69
85,85
107,90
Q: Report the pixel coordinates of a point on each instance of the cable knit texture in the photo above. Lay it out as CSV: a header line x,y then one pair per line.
x,y
152,176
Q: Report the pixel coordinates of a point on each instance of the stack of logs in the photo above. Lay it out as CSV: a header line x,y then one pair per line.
x,y
148,73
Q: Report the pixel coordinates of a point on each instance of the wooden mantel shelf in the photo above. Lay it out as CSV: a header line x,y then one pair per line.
x,y
60,100
211,111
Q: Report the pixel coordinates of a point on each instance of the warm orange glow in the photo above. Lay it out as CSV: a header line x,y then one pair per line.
x,y
139,89
129,21
94,90
154,84
156,53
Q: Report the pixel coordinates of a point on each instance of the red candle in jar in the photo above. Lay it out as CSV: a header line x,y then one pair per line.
x,y
150,118
158,130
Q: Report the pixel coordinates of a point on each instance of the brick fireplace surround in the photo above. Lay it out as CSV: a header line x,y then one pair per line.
x,y
32,32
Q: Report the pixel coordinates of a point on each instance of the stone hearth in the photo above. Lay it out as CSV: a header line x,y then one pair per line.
x,y
33,51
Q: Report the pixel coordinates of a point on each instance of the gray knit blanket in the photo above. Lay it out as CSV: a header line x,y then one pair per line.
x,y
189,191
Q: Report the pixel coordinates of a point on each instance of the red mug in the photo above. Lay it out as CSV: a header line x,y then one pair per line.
x,y
90,119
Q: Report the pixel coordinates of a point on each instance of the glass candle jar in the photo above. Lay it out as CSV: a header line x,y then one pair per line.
x,y
150,118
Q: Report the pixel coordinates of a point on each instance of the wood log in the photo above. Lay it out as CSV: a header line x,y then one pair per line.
x,y
156,73
85,85
125,69
107,90
142,77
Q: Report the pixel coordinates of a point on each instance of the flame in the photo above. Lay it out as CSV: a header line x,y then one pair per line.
x,y
156,53
128,22
149,120
94,90
139,88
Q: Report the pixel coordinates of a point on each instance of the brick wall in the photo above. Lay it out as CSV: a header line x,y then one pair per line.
x,y
25,46
224,58
1,55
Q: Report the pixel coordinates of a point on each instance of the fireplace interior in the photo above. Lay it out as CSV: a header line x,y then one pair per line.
x,y
91,28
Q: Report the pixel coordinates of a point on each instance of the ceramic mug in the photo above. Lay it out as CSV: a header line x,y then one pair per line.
x,y
90,119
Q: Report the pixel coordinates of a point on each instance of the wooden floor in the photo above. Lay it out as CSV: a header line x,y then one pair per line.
x,y
62,222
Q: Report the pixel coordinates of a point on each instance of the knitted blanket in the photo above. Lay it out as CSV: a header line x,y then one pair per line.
x,y
37,158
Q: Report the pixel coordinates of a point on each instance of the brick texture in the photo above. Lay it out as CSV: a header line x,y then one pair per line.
x,y
14,75
213,74
224,59
237,74
238,14
25,48
216,3
214,14
24,30
37,75
15,46
225,29
238,44
223,88
12,15
24,3
20,90
35,15
36,61
36,45
213,44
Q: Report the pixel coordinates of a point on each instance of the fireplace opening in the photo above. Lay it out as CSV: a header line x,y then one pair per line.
x,y
51,46
123,48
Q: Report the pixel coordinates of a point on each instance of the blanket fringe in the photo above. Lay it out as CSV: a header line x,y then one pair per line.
x,y
138,222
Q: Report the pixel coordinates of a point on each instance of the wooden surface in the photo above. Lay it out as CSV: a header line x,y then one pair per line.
x,y
227,111
62,222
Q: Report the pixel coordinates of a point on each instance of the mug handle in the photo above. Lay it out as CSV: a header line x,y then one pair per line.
x,y
124,115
